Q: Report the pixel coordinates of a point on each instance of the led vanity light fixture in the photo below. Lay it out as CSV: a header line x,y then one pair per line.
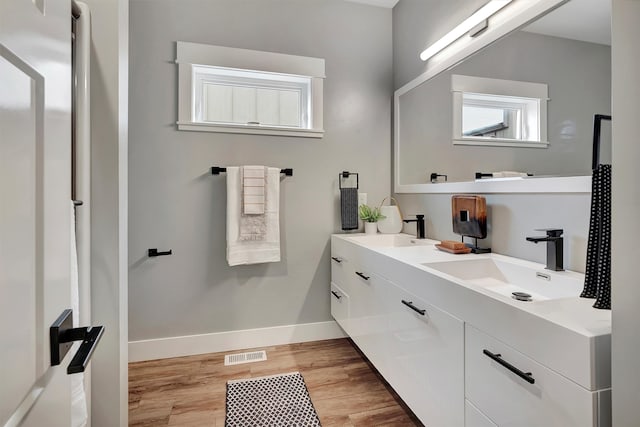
x,y
467,25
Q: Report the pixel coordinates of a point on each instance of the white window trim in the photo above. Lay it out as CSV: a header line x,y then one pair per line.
x,y
481,85
190,54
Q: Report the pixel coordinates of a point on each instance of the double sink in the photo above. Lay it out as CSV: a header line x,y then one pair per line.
x,y
506,276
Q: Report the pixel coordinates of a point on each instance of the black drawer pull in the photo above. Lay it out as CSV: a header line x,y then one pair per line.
x,y
498,358
335,294
362,275
409,304
336,259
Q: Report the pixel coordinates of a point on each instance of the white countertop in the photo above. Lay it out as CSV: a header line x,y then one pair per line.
x,y
574,313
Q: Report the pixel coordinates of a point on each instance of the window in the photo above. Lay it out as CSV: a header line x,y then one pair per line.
x,y
243,91
235,97
499,112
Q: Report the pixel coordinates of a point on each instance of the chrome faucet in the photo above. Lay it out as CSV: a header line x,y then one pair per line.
x,y
554,247
419,225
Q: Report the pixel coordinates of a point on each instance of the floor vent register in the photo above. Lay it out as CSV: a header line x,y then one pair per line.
x,y
239,358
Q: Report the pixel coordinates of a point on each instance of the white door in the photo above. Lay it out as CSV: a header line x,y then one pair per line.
x,y
35,107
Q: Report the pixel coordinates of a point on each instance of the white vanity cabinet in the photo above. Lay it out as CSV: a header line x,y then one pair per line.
x,y
417,347
474,418
459,356
355,301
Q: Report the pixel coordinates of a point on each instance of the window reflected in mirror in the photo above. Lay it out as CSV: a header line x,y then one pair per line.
x,y
494,111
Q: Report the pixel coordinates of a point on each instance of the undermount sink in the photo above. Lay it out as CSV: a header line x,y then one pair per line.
x,y
389,240
506,278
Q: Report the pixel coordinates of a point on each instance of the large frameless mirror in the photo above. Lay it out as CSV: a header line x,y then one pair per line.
x,y
523,103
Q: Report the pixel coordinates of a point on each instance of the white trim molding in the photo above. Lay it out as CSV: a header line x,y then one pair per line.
x,y
162,348
532,184
389,4
250,130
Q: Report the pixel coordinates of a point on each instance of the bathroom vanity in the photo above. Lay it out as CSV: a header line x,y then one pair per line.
x,y
447,335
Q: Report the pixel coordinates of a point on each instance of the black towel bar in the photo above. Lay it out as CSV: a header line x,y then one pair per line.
x,y
217,170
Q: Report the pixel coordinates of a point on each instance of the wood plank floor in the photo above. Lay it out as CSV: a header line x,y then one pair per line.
x,y
190,391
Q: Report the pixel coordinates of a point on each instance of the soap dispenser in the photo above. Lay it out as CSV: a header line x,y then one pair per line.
x,y
469,216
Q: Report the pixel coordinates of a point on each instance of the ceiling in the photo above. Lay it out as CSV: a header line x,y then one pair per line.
x,y
586,20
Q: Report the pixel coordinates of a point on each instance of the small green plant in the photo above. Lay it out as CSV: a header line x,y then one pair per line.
x,y
369,214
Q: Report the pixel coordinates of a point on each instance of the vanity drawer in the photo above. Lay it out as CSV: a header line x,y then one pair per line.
x,y
498,384
339,305
474,418
424,347
340,269
343,255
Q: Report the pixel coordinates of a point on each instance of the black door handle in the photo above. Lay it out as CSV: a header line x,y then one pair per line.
x,y
83,355
62,335
409,304
336,259
362,275
527,376
335,294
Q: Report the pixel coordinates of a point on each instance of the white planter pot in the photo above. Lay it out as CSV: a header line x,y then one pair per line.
x,y
371,227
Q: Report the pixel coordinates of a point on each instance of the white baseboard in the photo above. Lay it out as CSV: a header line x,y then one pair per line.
x,y
163,348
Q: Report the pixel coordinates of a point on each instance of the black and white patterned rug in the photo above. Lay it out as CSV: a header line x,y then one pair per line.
x,y
277,400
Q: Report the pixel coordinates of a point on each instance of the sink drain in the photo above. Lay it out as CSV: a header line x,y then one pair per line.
x,y
521,296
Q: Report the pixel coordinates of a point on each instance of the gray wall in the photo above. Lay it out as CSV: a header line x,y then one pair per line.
x,y
175,203
579,86
512,217
626,201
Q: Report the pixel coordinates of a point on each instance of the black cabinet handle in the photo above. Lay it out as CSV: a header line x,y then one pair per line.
x,y
498,358
363,276
414,308
336,259
335,294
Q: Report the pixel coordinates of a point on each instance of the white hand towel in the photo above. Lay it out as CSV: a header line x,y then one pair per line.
x,y
78,397
253,189
240,252
253,221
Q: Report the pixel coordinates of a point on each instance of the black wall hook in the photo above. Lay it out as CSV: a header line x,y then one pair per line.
x,y
154,252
